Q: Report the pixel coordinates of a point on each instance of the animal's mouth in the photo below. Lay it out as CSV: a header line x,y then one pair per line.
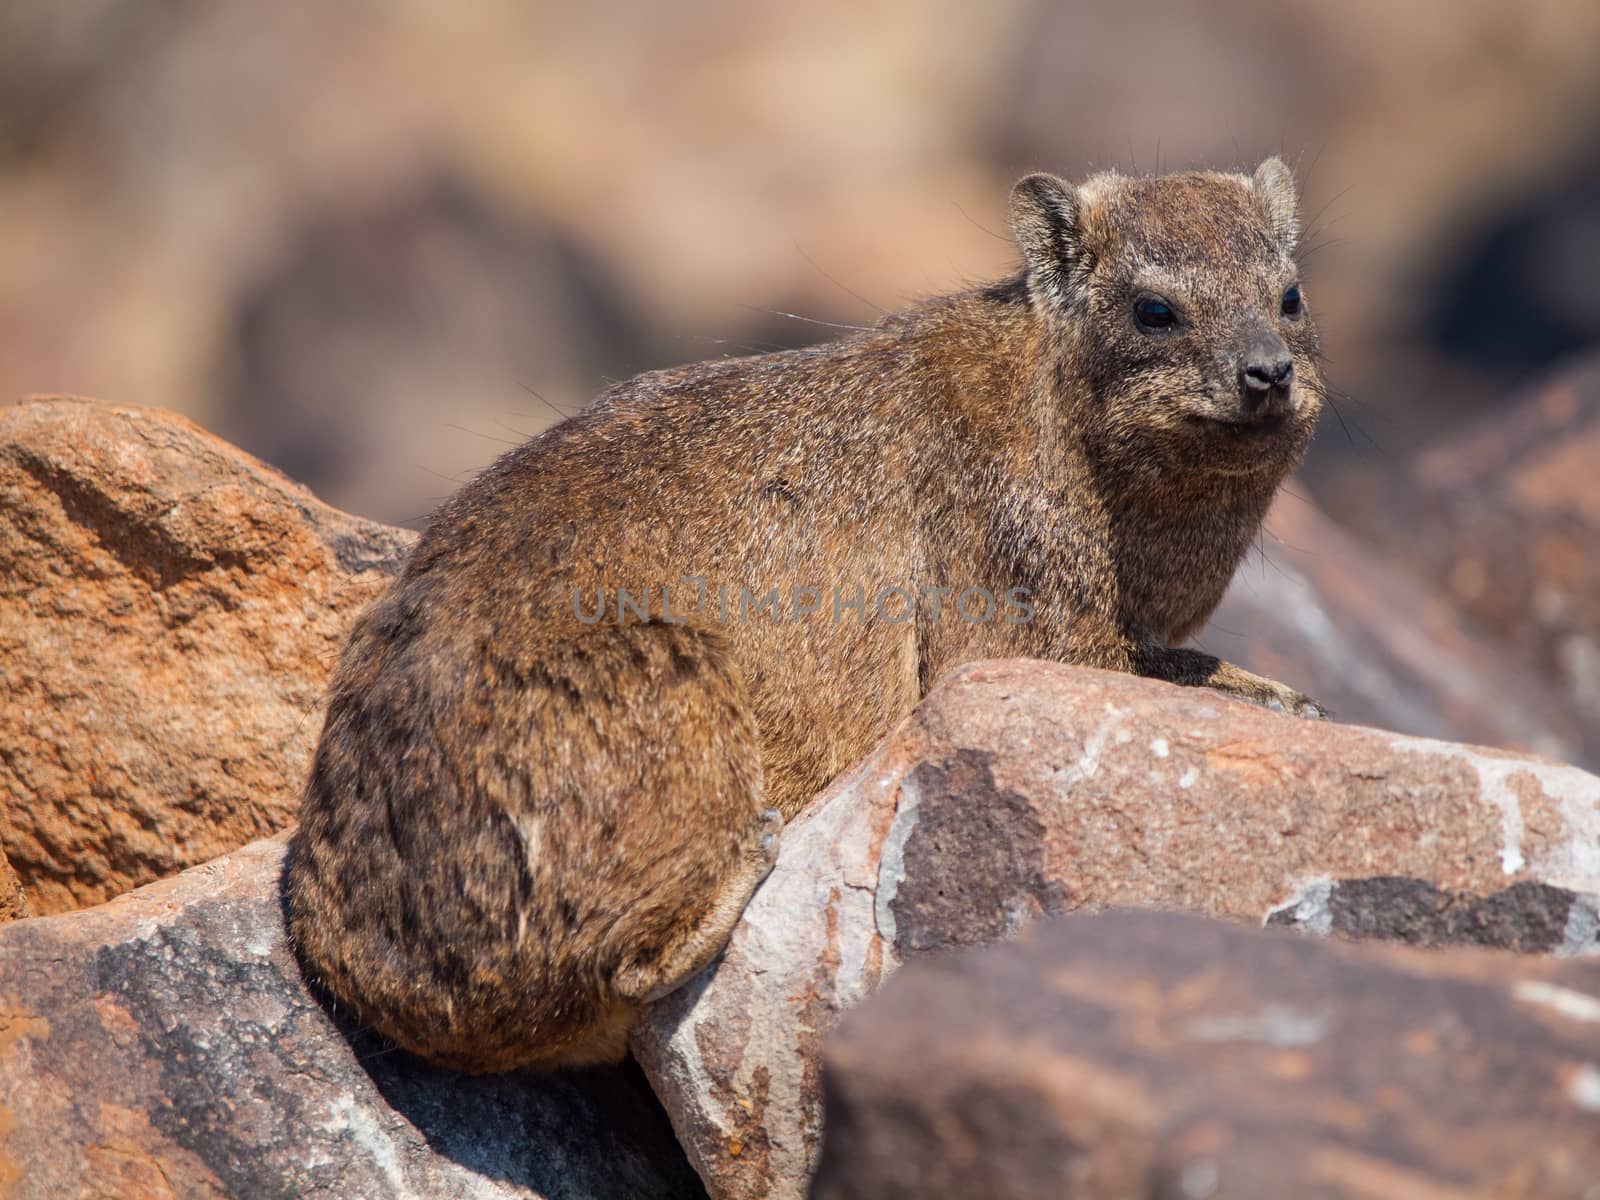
x,y
1247,429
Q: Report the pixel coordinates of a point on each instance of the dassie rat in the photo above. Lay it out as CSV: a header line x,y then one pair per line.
x,y
558,750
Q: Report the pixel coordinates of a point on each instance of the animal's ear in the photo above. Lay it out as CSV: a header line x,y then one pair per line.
x,y
1274,189
1047,217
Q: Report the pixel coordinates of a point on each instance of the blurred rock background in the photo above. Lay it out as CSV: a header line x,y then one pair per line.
x,y
375,242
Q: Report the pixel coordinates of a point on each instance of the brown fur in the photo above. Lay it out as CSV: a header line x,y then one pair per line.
x,y
521,824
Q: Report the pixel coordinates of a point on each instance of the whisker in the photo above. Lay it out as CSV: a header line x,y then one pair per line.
x,y
1309,251
560,412
1329,203
848,291
999,237
1305,175
773,312
520,433
1328,400
488,437
1332,396
453,481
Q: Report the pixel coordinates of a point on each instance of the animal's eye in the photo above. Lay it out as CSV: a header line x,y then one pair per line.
x,y
1291,302
1154,314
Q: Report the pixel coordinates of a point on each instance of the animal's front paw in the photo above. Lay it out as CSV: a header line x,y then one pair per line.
x,y
1234,680
1295,704
1311,710
771,825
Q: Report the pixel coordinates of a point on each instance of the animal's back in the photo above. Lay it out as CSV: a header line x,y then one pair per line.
x,y
539,793
558,750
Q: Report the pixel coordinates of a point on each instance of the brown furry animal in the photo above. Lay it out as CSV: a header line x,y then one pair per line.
x,y
559,749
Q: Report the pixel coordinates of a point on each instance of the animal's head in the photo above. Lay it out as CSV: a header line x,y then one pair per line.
x,y
1177,300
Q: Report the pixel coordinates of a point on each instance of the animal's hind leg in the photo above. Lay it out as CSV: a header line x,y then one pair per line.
x,y
472,874
644,980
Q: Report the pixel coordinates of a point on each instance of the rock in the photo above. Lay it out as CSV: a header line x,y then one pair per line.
x,y
1379,645
352,293
13,903
1529,917
165,1045
169,610
1506,517
1158,1055
1021,788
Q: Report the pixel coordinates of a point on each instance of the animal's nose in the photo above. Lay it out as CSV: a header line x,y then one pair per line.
x,y
1265,370
1263,374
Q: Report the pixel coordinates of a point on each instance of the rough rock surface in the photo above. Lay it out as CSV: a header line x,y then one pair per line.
x,y
1507,518
164,1045
1019,788
1154,1055
13,903
169,610
1380,645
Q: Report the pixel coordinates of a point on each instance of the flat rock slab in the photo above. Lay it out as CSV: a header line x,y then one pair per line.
x,y
169,611
1020,788
1162,1056
164,1045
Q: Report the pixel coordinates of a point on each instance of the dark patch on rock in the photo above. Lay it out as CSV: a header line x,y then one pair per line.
x,y
1529,916
973,865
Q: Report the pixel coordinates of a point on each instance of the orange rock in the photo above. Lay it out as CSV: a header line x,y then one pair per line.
x,y
169,610
13,903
